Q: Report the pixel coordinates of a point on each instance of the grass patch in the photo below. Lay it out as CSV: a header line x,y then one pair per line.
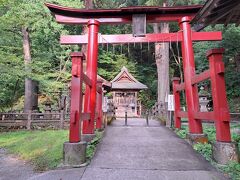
x,y
91,147
44,149
182,132
232,168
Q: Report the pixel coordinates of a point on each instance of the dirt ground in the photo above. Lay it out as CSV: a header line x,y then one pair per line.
x,y
12,167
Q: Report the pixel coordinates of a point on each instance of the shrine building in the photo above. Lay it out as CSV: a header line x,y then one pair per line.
x,y
125,89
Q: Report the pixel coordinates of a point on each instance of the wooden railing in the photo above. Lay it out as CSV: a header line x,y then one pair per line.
x,y
154,111
29,119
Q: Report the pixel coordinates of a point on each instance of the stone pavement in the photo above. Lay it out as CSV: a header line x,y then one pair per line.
x,y
137,152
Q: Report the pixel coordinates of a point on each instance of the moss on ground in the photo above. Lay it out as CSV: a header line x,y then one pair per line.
x,y
43,149
232,168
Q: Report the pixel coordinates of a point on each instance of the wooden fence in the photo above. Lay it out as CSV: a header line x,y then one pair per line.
x,y
30,119
154,111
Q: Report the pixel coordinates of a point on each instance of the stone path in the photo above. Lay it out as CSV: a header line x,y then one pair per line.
x,y
13,168
137,152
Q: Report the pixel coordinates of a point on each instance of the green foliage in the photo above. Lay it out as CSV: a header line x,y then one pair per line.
x,y
211,132
91,147
42,148
11,78
51,62
233,169
231,37
204,149
114,62
182,132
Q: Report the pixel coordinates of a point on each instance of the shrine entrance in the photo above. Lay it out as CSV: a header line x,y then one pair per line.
x,y
125,89
139,16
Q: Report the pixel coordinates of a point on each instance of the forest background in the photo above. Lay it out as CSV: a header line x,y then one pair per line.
x,y
51,64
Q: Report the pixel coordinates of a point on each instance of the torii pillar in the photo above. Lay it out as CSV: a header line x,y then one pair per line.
x,y
195,125
91,72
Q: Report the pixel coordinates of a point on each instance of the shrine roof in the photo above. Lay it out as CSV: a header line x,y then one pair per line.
x,y
125,12
217,12
125,80
104,81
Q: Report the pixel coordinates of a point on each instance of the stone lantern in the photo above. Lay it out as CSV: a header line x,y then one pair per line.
x,y
47,108
203,99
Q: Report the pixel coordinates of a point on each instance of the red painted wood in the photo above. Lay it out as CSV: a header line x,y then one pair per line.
x,y
91,72
180,87
204,116
201,77
69,11
153,14
128,38
195,126
119,19
177,119
220,114
67,15
220,106
99,105
182,114
87,80
99,89
79,20
86,116
76,97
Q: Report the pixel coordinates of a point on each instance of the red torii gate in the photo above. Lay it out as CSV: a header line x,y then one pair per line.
x,y
182,15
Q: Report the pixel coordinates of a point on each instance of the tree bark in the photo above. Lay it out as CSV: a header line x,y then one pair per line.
x,y
31,89
88,4
237,62
162,63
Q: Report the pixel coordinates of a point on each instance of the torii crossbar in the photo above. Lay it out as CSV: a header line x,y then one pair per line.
x,y
148,38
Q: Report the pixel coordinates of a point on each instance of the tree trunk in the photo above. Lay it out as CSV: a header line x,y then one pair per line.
x,y
162,62
88,4
237,61
31,89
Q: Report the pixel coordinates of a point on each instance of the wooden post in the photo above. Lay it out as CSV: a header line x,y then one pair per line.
x,y
220,106
126,118
147,120
136,96
99,119
177,120
140,108
29,119
76,97
62,118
